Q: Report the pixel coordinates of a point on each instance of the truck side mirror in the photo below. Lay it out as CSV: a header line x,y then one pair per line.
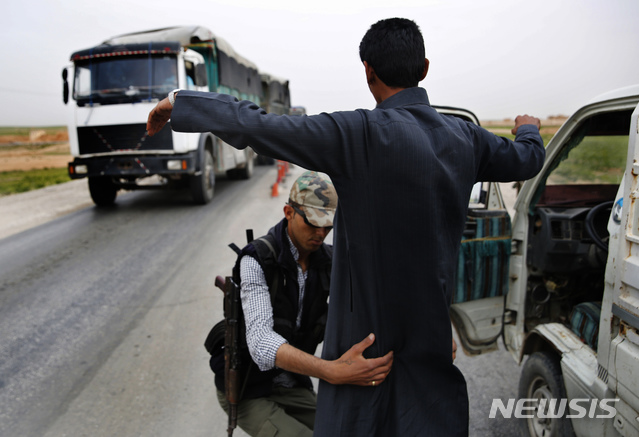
x,y
201,78
65,86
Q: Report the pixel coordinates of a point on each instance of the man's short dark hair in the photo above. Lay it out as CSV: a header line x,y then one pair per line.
x,y
395,49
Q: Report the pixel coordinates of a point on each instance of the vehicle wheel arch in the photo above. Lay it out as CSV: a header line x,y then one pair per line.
x,y
535,342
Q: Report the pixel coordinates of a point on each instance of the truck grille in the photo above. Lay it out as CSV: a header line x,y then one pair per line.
x,y
122,138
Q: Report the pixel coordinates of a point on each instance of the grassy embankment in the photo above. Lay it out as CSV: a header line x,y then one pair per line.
x,y
15,140
12,182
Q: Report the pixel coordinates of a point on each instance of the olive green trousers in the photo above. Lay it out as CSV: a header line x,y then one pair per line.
x,y
287,412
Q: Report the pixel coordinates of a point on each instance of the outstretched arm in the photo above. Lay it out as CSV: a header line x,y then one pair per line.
x,y
499,159
350,368
158,117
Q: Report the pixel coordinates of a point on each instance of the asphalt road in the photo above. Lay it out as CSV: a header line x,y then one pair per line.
x,y
103,314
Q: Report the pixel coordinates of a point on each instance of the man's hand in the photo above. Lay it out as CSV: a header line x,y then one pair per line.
x,y
350,368
158,117
525,119
454,349
353,368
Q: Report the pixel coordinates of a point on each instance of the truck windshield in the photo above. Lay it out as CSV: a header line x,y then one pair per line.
x,y
594,160
124,79
590,166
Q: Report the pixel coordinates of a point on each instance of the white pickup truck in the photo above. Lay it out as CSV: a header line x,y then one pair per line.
x,y
560,282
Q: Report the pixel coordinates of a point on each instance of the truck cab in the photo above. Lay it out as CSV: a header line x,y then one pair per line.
x,y
558,281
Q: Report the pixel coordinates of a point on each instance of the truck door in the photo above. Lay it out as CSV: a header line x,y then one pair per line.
x,y
624,348
481,278
482,271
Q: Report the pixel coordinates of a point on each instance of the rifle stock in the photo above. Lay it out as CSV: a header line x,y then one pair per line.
x,y
231,349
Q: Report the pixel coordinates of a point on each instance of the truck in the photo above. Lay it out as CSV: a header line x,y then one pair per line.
x,y
114,86
276,99
558,281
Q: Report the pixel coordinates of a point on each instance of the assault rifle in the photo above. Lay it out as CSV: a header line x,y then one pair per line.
x,y
232,362
232,349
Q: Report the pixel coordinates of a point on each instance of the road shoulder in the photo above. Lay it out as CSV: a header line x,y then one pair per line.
x,y
26,210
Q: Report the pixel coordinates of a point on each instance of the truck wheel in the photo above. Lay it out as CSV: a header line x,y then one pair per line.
x,y
103,190
541,378
265,160
203,185
247,171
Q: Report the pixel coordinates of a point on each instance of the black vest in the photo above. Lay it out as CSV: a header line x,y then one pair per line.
x,y
280,269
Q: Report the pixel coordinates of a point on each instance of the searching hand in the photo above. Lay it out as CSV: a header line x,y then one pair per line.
x,y
525,119
158,117
353,368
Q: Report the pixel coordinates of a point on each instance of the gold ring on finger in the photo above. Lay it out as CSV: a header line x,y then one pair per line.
x,y
373,383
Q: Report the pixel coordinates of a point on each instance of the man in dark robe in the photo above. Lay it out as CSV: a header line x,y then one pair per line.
x,y
403,174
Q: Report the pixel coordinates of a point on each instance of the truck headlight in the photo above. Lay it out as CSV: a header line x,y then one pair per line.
x,y
174,164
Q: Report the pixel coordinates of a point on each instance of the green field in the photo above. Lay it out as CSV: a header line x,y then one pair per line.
x,y
32,148
596,160
12,182
25,131
14,139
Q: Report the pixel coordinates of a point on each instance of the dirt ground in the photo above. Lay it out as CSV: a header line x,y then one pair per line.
x,y
35,151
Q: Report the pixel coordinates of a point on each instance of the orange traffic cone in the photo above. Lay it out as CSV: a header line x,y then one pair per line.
x,y
274,191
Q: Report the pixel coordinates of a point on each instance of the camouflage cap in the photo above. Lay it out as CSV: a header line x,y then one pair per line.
x,y
316,196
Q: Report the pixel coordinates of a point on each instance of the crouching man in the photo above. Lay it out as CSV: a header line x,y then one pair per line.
x,y
285,281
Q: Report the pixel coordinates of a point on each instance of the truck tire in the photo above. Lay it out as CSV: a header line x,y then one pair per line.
x,y
103,190
245,172
203,185
264,160
541,378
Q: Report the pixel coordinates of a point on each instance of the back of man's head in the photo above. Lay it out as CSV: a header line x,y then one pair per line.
x,y
395,49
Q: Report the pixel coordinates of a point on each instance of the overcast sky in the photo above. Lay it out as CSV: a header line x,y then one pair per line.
x,y
498,58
